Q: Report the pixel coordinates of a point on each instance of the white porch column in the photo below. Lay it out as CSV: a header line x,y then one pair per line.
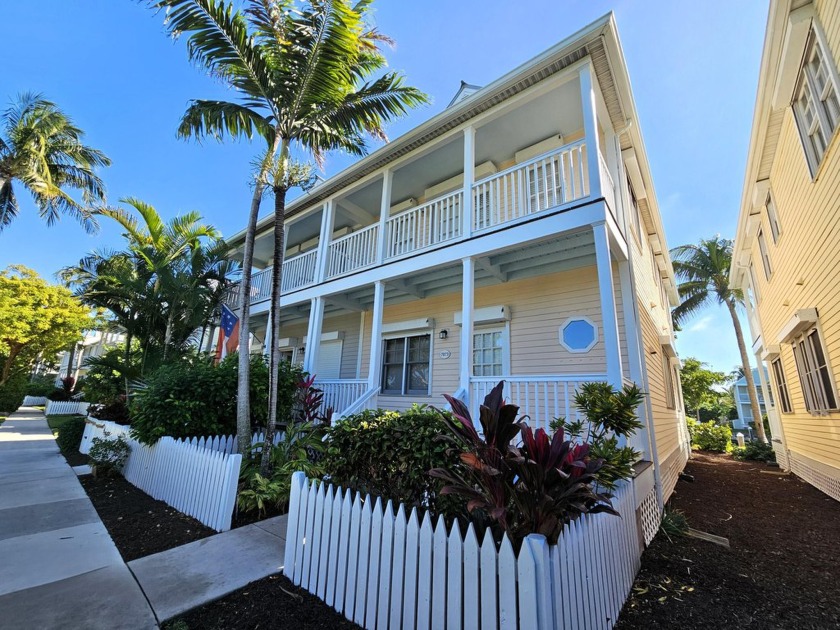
x,y
327,225
467,306
469,179
384,213
608,310
590,128
313,334
375,367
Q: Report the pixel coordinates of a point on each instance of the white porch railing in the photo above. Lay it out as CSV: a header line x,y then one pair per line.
x,y
386,570
541,398
607,186
340,394
260,285
354,251
299,271
434,222
544,182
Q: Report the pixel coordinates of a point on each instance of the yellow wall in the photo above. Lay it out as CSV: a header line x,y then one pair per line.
x,y
808,250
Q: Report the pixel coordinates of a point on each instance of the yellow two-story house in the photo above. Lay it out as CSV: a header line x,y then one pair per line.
x,y
787,249
514,236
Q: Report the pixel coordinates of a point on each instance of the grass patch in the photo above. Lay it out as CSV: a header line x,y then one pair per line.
x,y
55,422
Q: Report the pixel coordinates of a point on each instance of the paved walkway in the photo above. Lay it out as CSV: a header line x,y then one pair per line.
x,y
59,567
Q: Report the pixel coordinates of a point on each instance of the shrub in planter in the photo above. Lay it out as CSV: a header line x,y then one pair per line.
x,y
70,434
389,454
708,436
756,451
108,456
535,488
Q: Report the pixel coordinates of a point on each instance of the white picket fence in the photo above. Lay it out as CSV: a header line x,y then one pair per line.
x,y
197,481
66,407
383,570
226,443
34,401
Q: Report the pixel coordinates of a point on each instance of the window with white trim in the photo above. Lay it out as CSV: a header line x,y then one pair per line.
x,y
754,284
814,372
765,257
668,377
635,215
406,365
773,219
816,106
489,352
781,385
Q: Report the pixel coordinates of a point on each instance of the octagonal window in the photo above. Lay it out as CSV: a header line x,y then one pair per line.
x,y
578,334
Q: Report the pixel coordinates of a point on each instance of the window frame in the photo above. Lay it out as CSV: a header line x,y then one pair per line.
x,y
504,333
405,365
754,283
670,386
780,381
765,254
595,334
816,379
773,218
636,213
807,96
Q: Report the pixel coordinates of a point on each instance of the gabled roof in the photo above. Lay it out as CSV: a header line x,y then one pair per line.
x,y
465,91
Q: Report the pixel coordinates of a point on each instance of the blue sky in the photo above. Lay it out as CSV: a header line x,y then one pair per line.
x,y
107,63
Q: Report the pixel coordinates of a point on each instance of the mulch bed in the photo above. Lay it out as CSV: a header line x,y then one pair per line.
x,y
139,524
782,569
75,458
263,604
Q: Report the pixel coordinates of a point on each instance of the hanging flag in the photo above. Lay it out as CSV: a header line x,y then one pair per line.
x,y
228,334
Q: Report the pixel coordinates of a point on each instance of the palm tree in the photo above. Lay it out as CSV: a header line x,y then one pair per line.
x,y
304,72
42,149
704,271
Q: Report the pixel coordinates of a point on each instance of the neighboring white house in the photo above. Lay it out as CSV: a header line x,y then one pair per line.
x,y
516,235
94,344
742,399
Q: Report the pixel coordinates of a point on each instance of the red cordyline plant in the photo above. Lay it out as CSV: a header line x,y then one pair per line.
x,y
534,488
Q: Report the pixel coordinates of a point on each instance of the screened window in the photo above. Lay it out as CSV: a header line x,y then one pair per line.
x,y
668,377
765,258
814,372
773,218
781,385
754,284
816,105
406,365
634,211
488,353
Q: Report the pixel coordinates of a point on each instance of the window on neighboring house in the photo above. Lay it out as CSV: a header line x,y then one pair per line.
x,y
814,372
773,218
406,365
754,284
815,104
765,258
634,212
781,385
668,377
488,352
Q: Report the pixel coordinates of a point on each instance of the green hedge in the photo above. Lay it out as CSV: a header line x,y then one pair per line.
x,y
708,436
388,454
70,434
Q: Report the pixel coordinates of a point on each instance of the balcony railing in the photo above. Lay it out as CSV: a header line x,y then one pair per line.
x,y
352,252
434,222
548,181
541,398
340,394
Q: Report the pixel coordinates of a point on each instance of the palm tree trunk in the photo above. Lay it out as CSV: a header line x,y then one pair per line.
x,y
742,348
274,352
167,336
128,340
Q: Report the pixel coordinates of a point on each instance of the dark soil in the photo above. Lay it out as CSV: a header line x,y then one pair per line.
x,y
782,568
139,524
263,604
75,458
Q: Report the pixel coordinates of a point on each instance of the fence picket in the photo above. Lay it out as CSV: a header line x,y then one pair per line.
x,y
326,542
527,577
337,598
353,558
424,574
471,601
373,566
364,560
507,587
454,578
335,545
292,524
489,583
412,578
386,562
399,572
439,575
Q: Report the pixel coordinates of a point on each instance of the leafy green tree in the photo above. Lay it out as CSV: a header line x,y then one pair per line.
x,y
36,318
698,385
704,273
304,73
42,150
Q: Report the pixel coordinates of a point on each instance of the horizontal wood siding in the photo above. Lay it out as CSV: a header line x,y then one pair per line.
x,y
347,324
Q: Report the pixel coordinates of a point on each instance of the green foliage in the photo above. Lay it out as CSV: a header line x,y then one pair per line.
x,y
698,383
108,456
194,398
756,451
70,434
105,379
610,415
298,449
708,436
13,391
674,524
535,489
40,386
389,454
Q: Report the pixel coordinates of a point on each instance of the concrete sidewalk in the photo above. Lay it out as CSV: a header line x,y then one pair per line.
x,y
59,567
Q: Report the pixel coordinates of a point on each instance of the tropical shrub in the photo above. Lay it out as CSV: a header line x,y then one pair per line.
x,y
70,434
298,449
389,454
108,456
59,394
609,416
40,386
708,436
756,451
536,488
115,411
13,391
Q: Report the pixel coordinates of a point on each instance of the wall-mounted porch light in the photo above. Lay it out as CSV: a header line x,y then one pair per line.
x,y
443,334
